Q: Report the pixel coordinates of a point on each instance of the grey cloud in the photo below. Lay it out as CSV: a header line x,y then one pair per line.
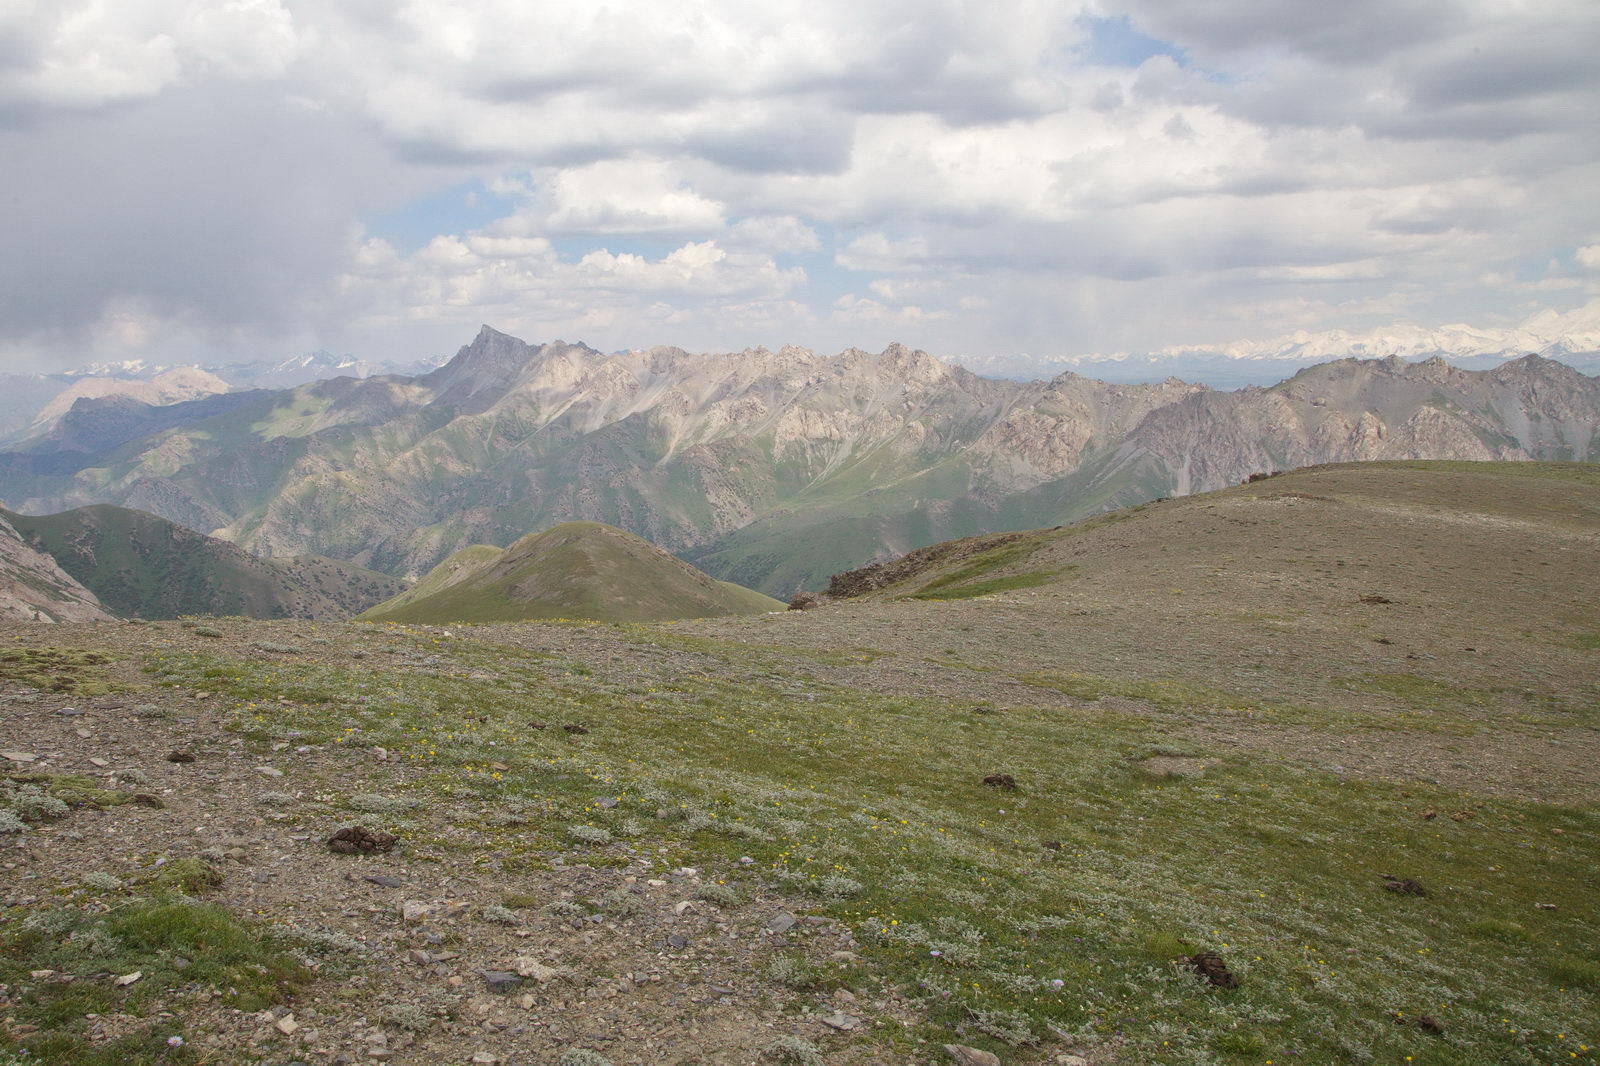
x,y
790,140
1355,32
227,207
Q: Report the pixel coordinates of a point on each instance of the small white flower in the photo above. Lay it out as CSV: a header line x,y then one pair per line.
x,y
174,1041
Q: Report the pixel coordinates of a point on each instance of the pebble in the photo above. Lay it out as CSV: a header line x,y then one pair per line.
x,y
781,923
268,771
845,1022
971,1056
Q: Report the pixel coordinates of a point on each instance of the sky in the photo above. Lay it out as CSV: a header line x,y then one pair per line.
x,y
1006,182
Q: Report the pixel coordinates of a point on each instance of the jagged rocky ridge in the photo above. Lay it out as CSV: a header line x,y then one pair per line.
x,y
771,469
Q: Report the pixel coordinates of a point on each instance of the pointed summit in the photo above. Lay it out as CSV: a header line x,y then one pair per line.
x,y
484,370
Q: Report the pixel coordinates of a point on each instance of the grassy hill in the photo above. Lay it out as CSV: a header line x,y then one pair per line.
x,y
143,566
1214,724
574,570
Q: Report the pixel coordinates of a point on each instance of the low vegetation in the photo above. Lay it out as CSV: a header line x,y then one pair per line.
x,y
1067,904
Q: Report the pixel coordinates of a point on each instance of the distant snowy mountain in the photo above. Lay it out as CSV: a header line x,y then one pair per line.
x,y
260,373
169,386
29,401
1573,337
315,366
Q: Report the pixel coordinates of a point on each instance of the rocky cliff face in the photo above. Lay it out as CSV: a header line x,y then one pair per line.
x,y
34,588
768,468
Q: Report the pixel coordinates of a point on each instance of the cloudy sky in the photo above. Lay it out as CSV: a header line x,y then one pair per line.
x,y
1002,180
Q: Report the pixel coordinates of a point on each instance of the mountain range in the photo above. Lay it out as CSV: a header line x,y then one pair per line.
x,y
1573,337
770,469
31,402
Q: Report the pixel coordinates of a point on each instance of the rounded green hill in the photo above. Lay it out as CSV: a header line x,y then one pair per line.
x,y
575,570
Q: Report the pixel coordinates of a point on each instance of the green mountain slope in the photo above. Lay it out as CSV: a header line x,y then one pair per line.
x,y
575,570
143,566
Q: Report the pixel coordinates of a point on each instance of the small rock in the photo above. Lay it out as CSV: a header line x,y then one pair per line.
x,y
1545,906
385,881
286,1025
845,1022
486,1058
500,982
128,978
268,771
724,990
805,601
98,762
1209,964
180,756
970,1056
607,803
1071,1060
781,923
145,799
677,941
359,840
